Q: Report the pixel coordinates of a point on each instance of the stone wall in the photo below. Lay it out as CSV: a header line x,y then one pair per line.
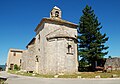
x,y
24,60
28,58
113,62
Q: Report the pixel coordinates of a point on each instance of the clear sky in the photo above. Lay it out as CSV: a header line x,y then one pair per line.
x,y
19,18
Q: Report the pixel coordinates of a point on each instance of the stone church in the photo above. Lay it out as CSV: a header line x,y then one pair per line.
x,y
54,48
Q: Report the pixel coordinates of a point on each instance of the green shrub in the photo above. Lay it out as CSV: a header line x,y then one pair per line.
x,y
16,67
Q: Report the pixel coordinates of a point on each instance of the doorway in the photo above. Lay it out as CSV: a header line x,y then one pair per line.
x,y
11,66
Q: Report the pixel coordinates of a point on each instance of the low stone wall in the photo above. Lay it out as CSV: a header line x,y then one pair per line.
x,y
113,63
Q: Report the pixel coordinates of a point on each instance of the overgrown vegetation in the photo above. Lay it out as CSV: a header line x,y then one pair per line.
x,y
2,81
91,42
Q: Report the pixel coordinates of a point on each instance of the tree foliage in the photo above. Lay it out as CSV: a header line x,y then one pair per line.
x,y
91,43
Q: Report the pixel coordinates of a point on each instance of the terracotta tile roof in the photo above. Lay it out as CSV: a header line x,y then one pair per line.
x,y
56,21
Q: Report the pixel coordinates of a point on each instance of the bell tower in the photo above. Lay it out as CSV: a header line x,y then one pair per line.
x,y
55,13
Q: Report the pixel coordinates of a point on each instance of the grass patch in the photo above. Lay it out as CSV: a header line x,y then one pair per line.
x,y
68,76
93,74
30,74
44,76
80,74
101,74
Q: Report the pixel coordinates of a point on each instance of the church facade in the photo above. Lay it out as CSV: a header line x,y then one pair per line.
x,y
54,48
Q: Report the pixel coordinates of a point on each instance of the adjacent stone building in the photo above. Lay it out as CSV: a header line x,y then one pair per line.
x,y
113,63
54,48
14,57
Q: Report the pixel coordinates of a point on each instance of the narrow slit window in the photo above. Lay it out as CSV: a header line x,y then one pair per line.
x,y
39,37
69,48
20,61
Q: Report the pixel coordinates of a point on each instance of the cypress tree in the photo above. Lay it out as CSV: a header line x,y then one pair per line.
x,y
91,43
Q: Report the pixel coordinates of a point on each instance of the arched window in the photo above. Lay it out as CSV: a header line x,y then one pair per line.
x,y
37,59
14,54
51,13
56,14
70,48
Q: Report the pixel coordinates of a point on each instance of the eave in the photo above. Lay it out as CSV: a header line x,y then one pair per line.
x,y
56,21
